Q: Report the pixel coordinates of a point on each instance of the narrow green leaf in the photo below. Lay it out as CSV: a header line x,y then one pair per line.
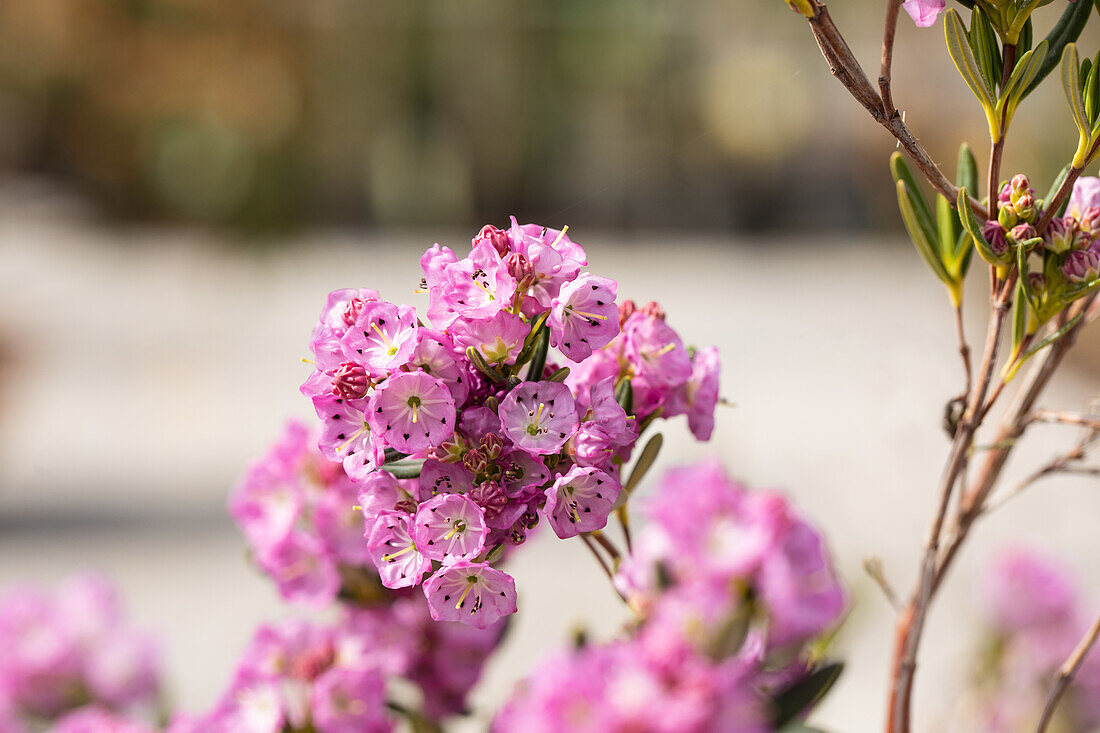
x,y
1027,36
959,48
796,699
964,251
644,462
404,469
624,395
532,341
1067,30
924,244
538,356
974,229
949,226
983,42
483,366
1058,181
1043,344
559,376
1019,316
1071,87
1026,70
1090,91
966,171
392,454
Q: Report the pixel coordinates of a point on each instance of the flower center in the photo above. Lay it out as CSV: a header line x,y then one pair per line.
x,y
470,580
390,348
534,428
414,405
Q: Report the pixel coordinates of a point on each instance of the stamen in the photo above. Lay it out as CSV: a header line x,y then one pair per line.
x,y
355,435
588,315
382,335
308,361
663,350
484,287
393,556
561,234
461,598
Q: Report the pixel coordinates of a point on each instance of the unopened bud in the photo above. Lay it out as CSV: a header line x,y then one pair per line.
x,y
1025,207
350,381
474,460
1020,184
495,237
994,233
520,268
654,310
1081,266
1006,217
491,445
626,310
1022,233
406,505
518,536
530,519
352,309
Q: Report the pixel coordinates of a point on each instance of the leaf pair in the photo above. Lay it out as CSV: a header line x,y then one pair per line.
x,y
942,242
983,72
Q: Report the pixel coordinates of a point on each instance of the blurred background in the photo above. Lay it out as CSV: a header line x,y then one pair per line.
x,y
182,181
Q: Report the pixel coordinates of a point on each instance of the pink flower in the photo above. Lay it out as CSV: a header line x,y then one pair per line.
x,y
394,552
539,417
1081,266
499,339
302,569
580,501
346,435
473,593
476,287
554,259
350,701
924,12
1027,590
449,527
98,720
434,355
412,411
584,316
377,493
382,338
1085,196
698,397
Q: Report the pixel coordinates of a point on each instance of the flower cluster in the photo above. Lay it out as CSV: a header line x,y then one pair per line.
x,y
70,655
1035,619
297,511
731,587
460,429
300,676
1061,264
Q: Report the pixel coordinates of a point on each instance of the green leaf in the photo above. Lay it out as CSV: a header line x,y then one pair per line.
x,y
644,462
624,395
483,366
538,356
532,341
947,221
959,48
1065,31
900,170
404,469
974,228
797,698
1043,344
1058,181
1027,68
392,454
1071,87
559,376
1027,37
925,247
1019,316
983,42
1091,91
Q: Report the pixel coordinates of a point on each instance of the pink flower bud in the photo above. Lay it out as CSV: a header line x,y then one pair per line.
x,y
1020,184
352,309
350,381
1081,266
521,269
626,310
654,310
495,237
1006,217
1005,194
1025,207
994,233
491,445
1022,233
474,460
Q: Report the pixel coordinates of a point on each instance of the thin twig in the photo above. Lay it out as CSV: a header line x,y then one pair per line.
x,y
1065,418
891,26
606,544
603,564
1066,674
911,622
964,347
874,568
1059,464
844,66
997,148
